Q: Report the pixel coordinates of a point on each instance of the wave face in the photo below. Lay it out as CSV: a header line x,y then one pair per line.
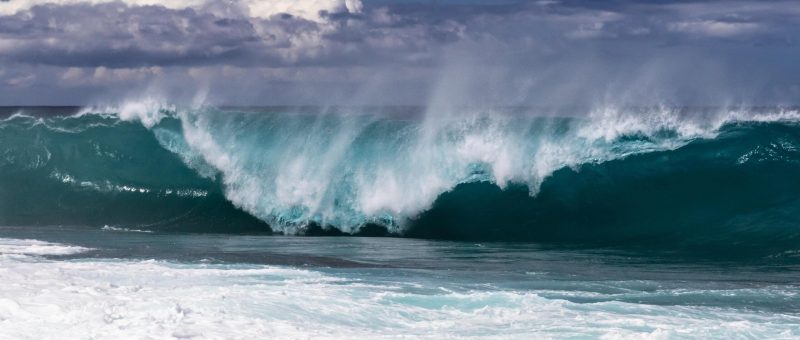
x,y
655,176
98,170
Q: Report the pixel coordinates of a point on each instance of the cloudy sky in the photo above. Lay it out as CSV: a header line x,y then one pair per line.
x,y
354,52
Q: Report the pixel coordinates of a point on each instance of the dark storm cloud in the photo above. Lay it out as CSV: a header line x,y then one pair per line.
x,y
536,49
116,35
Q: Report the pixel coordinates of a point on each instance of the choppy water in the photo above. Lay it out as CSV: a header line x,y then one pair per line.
x,y
79,282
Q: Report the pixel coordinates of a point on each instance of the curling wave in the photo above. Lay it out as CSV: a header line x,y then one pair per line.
x,y
647,175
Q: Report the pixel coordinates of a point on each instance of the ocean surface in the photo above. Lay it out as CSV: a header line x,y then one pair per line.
x,y
150,220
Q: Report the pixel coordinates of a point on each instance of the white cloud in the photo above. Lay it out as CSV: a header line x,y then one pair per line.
x,y
15,6
714,28
72,73
22,80
716,9
589,24
306,9
7,44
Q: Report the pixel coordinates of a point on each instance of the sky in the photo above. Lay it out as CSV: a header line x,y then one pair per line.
x,y
403,52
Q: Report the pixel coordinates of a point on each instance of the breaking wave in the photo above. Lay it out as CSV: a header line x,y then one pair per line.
x,y
650,175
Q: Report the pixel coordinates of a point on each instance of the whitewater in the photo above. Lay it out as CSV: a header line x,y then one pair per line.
x,y
55,290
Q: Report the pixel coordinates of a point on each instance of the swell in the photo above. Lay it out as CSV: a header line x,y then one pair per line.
x,y
99,171
658,180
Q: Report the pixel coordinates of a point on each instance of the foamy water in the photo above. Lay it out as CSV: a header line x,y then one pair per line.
x,y
45,298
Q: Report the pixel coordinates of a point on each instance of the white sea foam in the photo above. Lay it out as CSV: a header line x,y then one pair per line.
x,y
9,246
46,299
17,115
149,111
106,186
129,230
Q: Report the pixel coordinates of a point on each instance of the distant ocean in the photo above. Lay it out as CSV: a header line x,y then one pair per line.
x,y
151,220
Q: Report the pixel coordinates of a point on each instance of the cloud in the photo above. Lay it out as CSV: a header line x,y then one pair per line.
x,y
309,10
118,35
713,28
506,52
123,35
72,73
24,80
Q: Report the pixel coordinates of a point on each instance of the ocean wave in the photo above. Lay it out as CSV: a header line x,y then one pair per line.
x,y
544,178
